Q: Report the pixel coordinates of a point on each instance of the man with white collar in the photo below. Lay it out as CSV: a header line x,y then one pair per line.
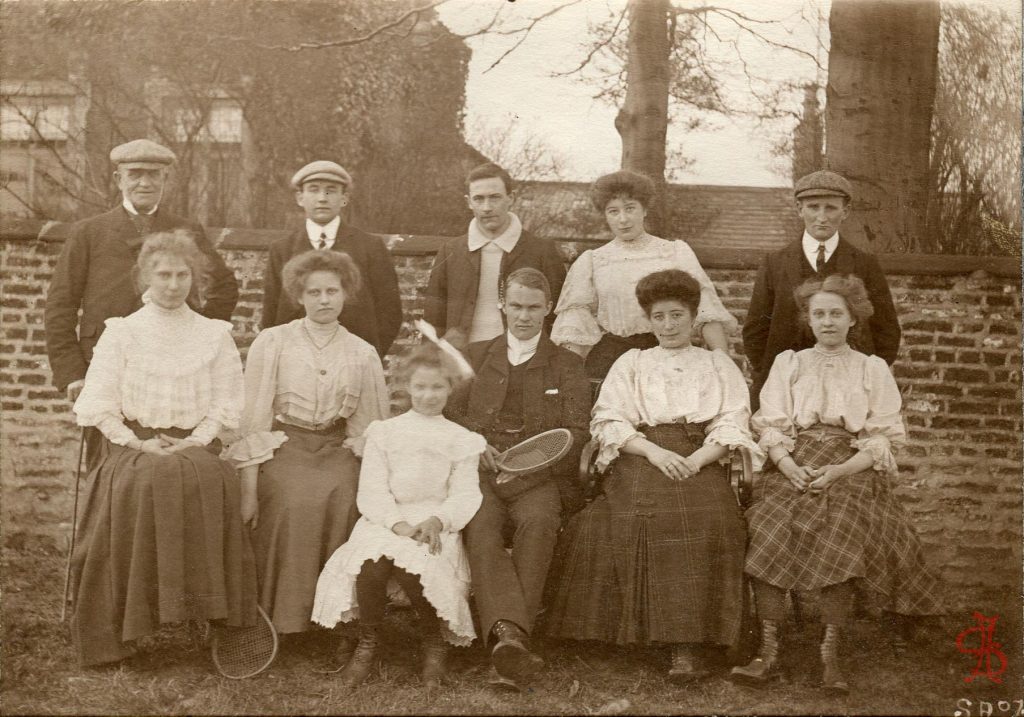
x,y
96,269
462,299
773,324
374,314
524,385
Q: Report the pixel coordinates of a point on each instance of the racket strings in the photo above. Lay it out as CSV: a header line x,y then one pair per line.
x,y
245,651
537,451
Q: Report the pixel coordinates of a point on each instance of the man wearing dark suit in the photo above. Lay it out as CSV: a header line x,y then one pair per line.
x,y
95,271
462,298
374,314
773,323
524,385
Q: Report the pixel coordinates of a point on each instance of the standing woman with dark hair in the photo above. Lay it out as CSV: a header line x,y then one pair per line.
x,y
598,316
824,515
311,389
162,537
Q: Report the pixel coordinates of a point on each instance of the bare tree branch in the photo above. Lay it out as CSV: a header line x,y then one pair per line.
x,y
526,31
597,47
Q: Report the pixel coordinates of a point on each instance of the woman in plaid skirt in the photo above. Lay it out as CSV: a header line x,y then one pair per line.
x,y
658,556
824,515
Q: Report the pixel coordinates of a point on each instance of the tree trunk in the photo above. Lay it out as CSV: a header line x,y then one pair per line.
x,y
642,122
878,115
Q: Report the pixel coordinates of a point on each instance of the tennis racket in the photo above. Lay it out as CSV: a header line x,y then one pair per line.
x,y
240,652
533,454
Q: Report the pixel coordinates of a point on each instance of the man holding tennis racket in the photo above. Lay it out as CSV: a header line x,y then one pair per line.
x,y
524,385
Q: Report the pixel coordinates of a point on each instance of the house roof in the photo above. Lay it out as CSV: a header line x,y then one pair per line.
x,y
707,216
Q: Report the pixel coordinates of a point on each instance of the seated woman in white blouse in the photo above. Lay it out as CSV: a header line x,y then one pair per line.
x,y
311,389
825,515
658,556
162,537
597,314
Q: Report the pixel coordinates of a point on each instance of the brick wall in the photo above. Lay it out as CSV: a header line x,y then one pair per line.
x,y
959,371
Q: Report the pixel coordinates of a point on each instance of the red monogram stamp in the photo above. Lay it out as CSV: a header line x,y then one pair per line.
x,y
987,651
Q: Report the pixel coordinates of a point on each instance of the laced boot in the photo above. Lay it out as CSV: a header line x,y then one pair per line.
x,y
363,657
510,655
686,664
435,652
832,677
763,667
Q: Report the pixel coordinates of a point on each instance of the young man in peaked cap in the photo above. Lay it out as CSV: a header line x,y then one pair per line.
x,y
322,189
773,323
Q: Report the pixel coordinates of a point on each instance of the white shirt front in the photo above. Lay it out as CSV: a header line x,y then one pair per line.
x,y
810,245
130,208
330,230
487,322
521,351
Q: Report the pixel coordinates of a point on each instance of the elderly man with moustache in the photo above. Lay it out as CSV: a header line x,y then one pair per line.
x,y
524,385
95,271
773,324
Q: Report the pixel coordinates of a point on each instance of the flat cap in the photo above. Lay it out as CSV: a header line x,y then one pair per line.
x,y
142,152
822,183
325,170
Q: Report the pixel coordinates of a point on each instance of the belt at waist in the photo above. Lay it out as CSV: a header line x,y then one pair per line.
x,y
145,432
336,425
822,430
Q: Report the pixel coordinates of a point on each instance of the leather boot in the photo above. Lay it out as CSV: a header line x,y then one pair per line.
x,y
363,657
510,655
763,667
435,652
687,665
832,677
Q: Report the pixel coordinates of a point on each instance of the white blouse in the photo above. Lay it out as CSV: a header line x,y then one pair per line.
x,y
416,466
163,369
599,293
288,377
837,388
657,386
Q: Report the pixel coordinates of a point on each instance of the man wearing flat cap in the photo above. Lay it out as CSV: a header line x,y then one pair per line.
x,y
375,313
773,323
95,274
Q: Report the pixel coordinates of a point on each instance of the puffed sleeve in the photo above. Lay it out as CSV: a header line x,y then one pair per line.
x,y
576,312
711,308
615,416
731,425
773,422
883,431
258,442
99,403
373,404
227,390
373,497
464,495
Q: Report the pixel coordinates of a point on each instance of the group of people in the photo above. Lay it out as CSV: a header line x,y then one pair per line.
x,y
288,485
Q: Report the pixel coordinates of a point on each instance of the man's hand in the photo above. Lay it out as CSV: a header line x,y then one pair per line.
x,y
487,458
74,388
429,532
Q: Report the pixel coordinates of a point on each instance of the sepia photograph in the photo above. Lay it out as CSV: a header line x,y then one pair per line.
x,y
511,357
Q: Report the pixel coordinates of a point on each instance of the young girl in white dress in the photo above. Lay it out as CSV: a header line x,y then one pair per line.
x,y
418,487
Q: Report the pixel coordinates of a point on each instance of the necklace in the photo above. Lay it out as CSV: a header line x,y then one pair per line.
x,y
318,347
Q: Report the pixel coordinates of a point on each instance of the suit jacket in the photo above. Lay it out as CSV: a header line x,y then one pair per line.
x,y
95,273
450,297
374,314
556,394
773,322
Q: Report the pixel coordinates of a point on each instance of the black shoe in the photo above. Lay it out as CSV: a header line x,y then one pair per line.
x,y
686,665
435,652
763,667
501,684
510,656
363,657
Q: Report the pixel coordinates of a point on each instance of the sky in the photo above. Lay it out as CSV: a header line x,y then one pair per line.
x,y
521,96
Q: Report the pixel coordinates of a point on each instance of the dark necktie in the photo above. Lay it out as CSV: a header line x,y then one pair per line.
x,y
322,243
142,223
819,264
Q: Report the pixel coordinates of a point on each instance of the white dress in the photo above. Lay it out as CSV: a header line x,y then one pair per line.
x,y
414,467
599,294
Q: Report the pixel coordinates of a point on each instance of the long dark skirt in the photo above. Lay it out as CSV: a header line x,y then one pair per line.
x,y
307,495
161,541
652,559
856,529
610,347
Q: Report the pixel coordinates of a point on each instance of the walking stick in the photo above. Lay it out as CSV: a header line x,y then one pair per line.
x,y
74,527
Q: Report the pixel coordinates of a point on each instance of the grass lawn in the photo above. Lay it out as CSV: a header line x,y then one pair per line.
x,y
173,674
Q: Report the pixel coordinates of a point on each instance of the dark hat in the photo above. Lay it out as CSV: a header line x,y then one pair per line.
x,y
142,153
822,183
325,170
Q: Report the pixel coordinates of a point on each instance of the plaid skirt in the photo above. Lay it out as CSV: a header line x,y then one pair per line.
x,y
652,559
856,529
